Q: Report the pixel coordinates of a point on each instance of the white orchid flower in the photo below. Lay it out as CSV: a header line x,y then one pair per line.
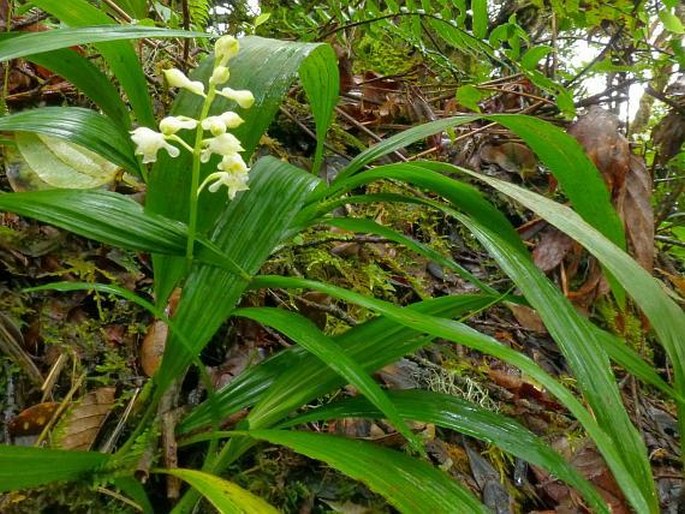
x,y
225,48
172,124
148,143
233,164
242,97
235,182
176,78
223,144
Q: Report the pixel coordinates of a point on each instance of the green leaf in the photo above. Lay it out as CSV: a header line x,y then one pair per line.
x,y
480,18
22,467
306,334
62,164
268,68
641,498
294,377
667,319
462,416
85,76
107,217
469,96
82,127
227,497
573,334
671,22
248,231
371,227
409,484
532,57
30,43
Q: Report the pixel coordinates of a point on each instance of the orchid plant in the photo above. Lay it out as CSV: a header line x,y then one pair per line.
x,y
232,171
245,233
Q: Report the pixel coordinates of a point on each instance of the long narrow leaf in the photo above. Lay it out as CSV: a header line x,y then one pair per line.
x,y
307,335
248,231
22,467
227,497
29,43
298,377
462,334
409,484
119,55
666,317
465,417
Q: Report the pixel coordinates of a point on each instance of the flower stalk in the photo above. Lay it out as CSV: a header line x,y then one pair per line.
x,y
232,171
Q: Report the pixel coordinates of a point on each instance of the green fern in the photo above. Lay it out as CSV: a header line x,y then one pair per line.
x,y
199,12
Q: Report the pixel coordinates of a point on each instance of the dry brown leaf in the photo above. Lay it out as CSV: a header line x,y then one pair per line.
x,y
153,346
528,318
636,212
79,428
550,251
512,157
597,131
33,420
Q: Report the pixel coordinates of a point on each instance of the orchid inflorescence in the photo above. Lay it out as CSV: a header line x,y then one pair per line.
x,y
232,171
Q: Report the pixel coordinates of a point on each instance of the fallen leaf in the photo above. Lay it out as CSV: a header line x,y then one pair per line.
x,y
597,132
79,428
33,420
636,212
550,251
528,318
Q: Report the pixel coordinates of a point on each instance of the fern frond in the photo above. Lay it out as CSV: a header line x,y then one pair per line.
x,y
199,12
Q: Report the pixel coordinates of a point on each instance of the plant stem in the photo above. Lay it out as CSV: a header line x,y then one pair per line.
x,y
195,179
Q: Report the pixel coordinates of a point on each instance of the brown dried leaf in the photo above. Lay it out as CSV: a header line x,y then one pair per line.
x,y
591,465
153,346
528,318
636,212
512,157
597,131
554,245
669,135
78,429
33,420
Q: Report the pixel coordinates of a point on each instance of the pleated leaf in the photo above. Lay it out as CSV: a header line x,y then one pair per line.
x,y
465,417
29,43
458,332
574,335
227,497
248,231
109,218
667,319
293,377
119,55
306,334
22,467
83,127
410,485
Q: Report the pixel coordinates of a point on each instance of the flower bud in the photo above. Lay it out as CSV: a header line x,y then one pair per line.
x,y
172,124
176,78
225,48
219,75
